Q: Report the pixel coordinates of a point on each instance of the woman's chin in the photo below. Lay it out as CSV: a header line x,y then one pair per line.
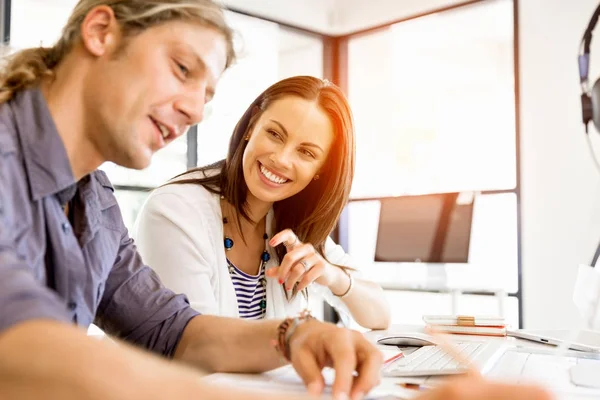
x,y
267,195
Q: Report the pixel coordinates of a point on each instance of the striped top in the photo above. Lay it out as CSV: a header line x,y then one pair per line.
x,y
250,291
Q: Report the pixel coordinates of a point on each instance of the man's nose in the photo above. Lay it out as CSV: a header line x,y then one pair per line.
x,y
191,106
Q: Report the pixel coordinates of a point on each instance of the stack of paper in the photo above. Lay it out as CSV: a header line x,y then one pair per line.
x,y
467,325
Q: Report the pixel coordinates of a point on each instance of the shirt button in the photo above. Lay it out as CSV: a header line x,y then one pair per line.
x,y
72,305
66,227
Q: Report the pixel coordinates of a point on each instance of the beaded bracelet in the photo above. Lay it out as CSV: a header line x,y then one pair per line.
x,y
286,329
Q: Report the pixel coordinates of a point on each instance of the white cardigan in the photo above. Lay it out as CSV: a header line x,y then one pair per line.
x,y
179,233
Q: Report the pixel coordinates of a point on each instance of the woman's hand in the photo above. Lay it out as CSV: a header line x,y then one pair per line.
x,y
302,264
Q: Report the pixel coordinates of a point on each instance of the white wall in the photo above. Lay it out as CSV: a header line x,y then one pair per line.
x,y
38,22
316,15
352,15
306,60
299,55
337,17
560,197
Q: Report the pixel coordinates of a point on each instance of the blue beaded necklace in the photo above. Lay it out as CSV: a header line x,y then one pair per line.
x,y
264,258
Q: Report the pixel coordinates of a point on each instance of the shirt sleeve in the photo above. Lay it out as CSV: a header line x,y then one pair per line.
x,y
173,239
22,296
137,307
335,254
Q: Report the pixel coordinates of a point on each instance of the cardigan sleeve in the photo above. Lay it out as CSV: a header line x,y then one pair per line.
x,y
174,239
335,254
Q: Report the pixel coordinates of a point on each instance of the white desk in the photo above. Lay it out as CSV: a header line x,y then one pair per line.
x,y
285,379
544,368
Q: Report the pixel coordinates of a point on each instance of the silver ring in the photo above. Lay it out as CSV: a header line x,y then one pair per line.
x,y
305,264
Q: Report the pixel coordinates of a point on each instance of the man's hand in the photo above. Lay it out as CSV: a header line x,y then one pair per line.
x,y
315,345
471,388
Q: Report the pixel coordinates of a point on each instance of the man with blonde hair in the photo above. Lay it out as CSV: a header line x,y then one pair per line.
x,y
125,78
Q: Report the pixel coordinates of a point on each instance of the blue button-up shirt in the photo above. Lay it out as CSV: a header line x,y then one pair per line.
x,y
78,269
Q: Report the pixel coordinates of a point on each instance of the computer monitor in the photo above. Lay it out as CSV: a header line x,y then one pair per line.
x,y
434,228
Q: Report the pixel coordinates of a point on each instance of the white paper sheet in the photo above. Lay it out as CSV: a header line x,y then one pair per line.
x,y
286,380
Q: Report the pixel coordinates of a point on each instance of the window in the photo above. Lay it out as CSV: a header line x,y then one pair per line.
x,y
131,202
267,53
434,105
438,113
166,163
38,22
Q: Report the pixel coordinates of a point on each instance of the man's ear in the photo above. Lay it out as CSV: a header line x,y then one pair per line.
x,y
100,32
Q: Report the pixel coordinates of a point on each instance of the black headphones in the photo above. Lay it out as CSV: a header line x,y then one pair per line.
x,y
590,100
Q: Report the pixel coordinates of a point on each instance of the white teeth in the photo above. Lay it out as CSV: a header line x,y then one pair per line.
x,y
163,130
271,176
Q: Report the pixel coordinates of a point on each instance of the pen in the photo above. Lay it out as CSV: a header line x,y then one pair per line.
x,y
392,359
412,386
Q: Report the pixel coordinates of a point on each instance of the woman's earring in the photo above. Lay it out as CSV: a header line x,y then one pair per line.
x,y
247,137
316,178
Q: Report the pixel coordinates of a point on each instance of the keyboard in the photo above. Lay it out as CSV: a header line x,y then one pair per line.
x,y
433,360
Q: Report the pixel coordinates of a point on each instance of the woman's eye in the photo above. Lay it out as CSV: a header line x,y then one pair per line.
x,y
308,153
274,134
183,69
